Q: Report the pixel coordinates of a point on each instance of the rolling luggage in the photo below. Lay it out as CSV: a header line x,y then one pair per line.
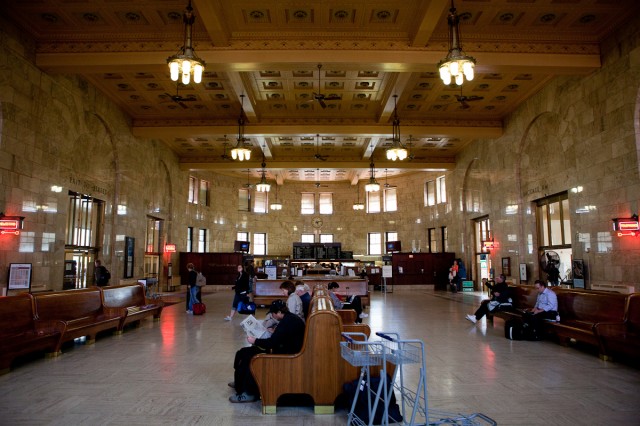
x,y
513,330
199,308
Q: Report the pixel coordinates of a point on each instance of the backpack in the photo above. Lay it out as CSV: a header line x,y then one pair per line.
x,y
201,280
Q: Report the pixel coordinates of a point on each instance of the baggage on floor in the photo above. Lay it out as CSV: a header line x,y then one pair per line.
x,y
199,308
513,329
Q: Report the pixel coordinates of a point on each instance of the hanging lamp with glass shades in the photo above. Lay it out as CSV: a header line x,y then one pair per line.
x,y
186,63
456,65
240,152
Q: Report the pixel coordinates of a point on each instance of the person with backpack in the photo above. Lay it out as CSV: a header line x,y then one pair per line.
x,y
102,274
192,287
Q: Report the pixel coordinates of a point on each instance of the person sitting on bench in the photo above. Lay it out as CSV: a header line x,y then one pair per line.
x,y
499,300
287,338
546,308
354,302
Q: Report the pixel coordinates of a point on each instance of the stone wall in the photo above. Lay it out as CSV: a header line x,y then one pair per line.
x,y
577,131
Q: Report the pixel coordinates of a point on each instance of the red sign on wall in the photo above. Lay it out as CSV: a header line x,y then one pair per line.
x,y
10,225
169,248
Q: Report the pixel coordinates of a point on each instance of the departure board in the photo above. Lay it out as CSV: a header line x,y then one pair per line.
x,y
316,251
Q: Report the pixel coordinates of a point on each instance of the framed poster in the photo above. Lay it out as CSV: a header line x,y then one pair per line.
x,y
129,245
19,276
523,272
577,270
506,266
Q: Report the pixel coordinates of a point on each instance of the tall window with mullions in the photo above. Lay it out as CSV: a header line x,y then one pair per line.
x,y
84,221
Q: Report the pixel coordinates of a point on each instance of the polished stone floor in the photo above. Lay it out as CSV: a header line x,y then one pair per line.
x,y
176,371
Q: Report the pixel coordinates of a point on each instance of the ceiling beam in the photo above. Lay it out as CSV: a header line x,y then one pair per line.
x,y
430,19
435,164
216,29
384,60
491,130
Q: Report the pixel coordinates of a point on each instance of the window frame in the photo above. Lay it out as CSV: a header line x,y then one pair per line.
x,y
259,245
373,200
307,203
386,199
373,244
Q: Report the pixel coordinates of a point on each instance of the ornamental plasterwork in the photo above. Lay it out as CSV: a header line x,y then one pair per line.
x,y
302,121
284,44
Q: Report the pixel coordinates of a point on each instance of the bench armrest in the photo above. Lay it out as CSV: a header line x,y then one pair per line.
x,y
157,302
49,326
609,328
109,311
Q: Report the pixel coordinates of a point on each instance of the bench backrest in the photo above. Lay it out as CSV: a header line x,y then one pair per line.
x,y
123,296
590,306
523,296
69,304
632,313
16,314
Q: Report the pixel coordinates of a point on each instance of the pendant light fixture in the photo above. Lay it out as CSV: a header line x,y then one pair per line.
x,y
372,185
241,153
358,205
276,205
397,150
263,185
457,65
186,62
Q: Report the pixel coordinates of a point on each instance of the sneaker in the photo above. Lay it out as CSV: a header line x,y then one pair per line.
x,y
232,384
190,312
363,315
243,397
227,318
472,318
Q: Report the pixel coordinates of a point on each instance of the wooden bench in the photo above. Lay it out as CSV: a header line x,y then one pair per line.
x,y
21,333
131,302
580,311
82,312
318,370
266,291
621,338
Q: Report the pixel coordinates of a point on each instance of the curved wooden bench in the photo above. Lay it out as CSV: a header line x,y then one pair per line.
x,y
130,301
318,370
21,333
81,311
580,311
621,338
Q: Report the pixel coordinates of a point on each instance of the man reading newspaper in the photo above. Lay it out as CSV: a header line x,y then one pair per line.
x,y
287,338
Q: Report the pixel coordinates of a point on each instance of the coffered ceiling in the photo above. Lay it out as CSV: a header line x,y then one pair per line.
x,y
269,51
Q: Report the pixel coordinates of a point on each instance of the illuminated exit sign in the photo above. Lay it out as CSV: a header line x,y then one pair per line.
x,y
11,225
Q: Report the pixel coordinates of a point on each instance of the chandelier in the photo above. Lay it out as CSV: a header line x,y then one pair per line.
x,y
186,62
276,205
397,151
358,205
240,152
373,185
263,185
457,64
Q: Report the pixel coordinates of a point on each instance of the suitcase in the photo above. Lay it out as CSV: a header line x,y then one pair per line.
x,y
199,308
513,330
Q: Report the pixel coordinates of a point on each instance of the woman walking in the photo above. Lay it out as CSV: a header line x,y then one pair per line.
x,y
242,289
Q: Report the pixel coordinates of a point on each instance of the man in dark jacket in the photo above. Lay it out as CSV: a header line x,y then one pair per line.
x,y
287,338
499,299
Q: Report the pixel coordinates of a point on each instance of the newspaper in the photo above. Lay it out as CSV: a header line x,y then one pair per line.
x,y
253,327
